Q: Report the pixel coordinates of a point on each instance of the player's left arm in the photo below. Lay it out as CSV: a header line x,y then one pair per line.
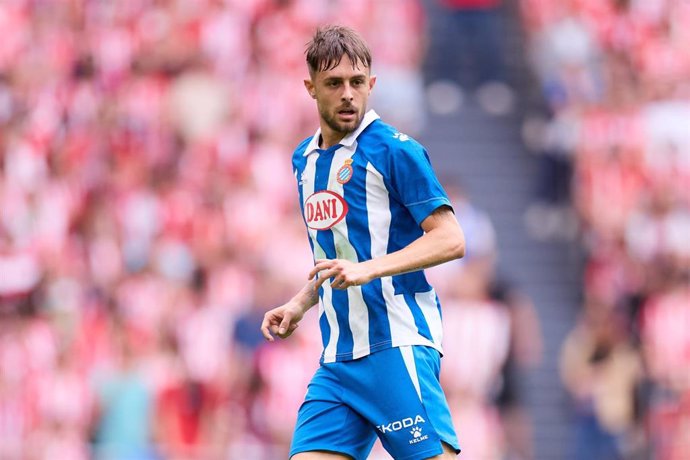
x,y
443,240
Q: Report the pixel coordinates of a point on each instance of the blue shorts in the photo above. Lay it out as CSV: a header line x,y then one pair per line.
x,y
394,394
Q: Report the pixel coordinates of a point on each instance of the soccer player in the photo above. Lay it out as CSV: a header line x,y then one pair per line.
x,y
376,216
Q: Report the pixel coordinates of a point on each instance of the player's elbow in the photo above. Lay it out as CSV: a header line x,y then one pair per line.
x,y
461,250
457,250
455,243
450,239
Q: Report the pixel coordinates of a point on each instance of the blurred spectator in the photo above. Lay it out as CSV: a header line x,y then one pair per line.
x,y
664,323
602,372
202,333
188,419
654,232
16,395
667,146
199,103
566,58
124,406
524,354
65,408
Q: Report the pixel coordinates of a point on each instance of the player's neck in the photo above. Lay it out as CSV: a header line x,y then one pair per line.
x,y
327,141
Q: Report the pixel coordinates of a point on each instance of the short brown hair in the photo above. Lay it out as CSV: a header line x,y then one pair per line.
x,y
331,43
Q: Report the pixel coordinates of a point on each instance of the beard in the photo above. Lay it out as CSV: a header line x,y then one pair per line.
x,y
343,128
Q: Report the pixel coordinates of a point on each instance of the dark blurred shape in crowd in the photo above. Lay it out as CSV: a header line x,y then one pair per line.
x,y
469,56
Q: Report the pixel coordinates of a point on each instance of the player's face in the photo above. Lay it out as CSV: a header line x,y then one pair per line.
x,y
341,95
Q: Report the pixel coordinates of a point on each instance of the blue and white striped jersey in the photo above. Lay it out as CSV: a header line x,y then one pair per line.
x,y
363,198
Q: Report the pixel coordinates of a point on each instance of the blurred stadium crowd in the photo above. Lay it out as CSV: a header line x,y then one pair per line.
x,y
616,78
149,218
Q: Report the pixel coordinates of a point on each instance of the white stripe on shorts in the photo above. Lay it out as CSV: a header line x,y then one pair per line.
x,y
408,357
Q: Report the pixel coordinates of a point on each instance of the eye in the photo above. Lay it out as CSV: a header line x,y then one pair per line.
x,y
358,82
332,84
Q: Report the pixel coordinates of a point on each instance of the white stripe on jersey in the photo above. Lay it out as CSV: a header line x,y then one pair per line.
x,y
326,305
408,358
358,313
332,346
378,212
432,315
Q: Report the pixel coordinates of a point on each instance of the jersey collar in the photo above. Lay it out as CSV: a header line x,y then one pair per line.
x,y
347,141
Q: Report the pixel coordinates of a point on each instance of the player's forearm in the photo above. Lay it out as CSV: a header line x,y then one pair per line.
x,y
308,296
433,248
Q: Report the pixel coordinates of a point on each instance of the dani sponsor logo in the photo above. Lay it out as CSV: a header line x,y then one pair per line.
x,y
324,209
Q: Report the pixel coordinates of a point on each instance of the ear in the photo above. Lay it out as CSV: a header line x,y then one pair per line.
x,y
309,85
372,82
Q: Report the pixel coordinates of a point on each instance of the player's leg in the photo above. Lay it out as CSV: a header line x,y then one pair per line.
x,y
326,428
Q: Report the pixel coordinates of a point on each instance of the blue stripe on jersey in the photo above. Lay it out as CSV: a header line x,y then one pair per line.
x,y
325,330
419,319
345,346
380,328
413,280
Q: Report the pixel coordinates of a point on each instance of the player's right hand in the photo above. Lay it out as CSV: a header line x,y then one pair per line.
x,y
281,321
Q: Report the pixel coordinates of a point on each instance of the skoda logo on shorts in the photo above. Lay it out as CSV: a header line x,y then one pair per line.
x,y
324,209
400,424
411,424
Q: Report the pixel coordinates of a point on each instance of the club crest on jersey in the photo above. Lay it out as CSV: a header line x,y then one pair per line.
x,y
345,172
324,209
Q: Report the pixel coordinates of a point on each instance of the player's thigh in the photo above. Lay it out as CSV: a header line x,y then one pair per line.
x,y
320,455
329,429
326,426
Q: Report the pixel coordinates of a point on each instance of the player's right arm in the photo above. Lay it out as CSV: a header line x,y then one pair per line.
x,y
283,320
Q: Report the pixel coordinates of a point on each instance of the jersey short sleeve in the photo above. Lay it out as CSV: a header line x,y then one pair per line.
x,y
412,179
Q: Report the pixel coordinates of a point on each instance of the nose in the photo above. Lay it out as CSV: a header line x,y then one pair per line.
x,y
347,93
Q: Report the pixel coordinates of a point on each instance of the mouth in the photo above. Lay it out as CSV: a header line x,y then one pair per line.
x,y
348,113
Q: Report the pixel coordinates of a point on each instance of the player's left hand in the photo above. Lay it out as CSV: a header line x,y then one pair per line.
x,y
342,273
